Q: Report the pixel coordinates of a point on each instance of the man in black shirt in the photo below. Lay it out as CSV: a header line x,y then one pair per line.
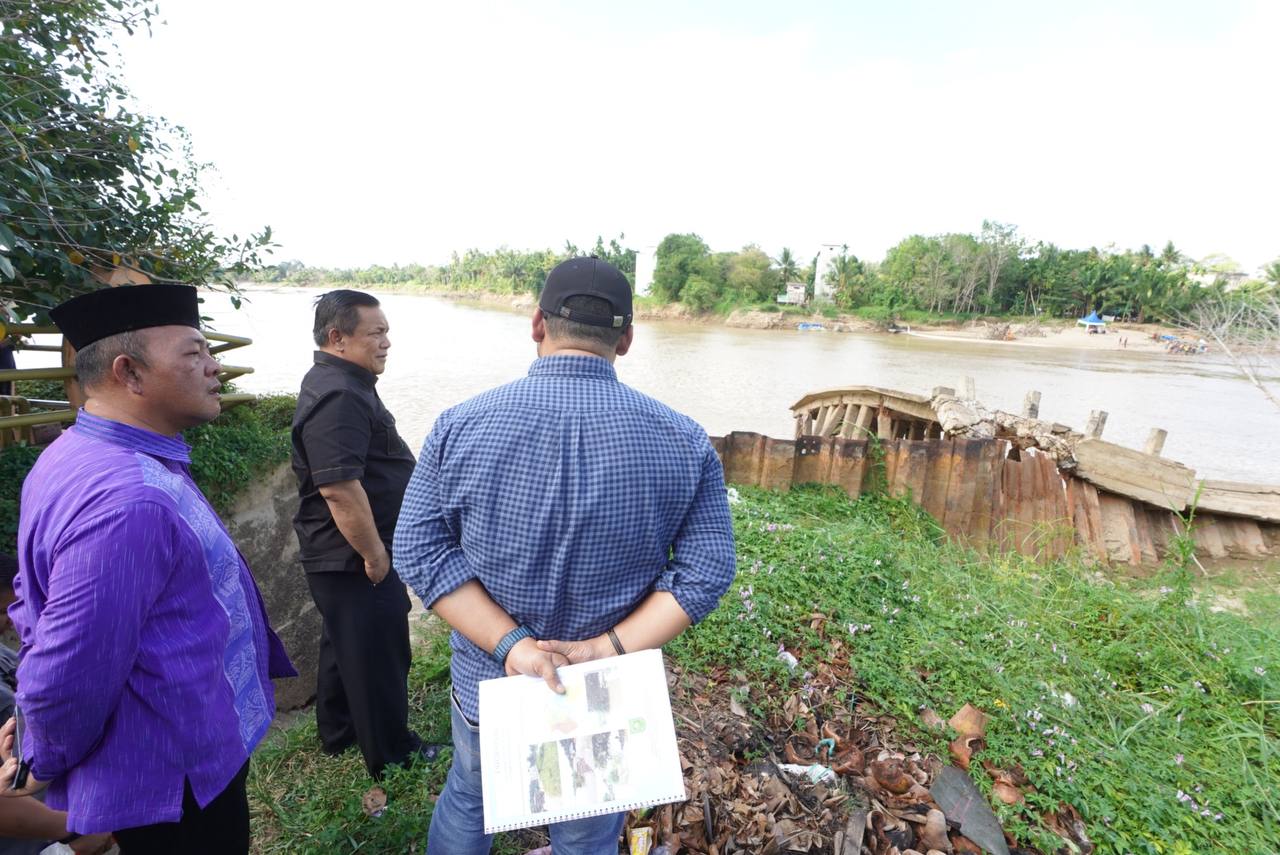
x,y
352,468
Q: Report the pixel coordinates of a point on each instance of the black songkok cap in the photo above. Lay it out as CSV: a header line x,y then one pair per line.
x,y
587,277
94,316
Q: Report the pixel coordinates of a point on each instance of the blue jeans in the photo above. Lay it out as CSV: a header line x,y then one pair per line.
x,y
457,823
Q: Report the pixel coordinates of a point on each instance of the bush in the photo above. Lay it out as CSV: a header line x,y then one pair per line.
x,y
698,294
48,390
230,452
226,456
876,314
15,462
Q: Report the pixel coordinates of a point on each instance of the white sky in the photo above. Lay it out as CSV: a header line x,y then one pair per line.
x,y
383,132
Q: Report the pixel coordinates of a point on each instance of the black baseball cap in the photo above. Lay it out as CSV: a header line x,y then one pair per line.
x,y
588,277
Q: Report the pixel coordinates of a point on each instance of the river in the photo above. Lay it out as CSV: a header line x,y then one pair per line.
x,y
735,379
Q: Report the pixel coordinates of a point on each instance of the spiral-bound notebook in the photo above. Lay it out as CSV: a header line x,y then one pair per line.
x,y
607,745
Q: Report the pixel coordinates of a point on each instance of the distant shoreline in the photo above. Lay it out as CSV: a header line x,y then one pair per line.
x,y
1057,333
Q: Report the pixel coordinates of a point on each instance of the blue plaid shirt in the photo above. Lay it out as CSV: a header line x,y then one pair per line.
x,y
570,497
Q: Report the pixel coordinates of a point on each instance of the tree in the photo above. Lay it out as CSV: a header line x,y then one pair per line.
x,y
1000,243
749,274
88,183
677,259
846,277
1171,256
788,267
618,255
699,294
1271,273
1246,327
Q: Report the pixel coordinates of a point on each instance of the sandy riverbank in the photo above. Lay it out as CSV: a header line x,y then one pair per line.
x,y
1135,337
1061,335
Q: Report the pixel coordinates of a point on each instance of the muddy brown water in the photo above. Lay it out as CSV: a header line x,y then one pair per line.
x,y
735,379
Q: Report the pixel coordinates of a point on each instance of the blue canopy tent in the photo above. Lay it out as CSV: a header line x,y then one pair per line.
x,y
1093,323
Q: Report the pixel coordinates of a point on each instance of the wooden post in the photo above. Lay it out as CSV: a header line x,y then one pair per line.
x,y
865,414
970,389
1155,442
832,419
884,425
1031,405
1097,421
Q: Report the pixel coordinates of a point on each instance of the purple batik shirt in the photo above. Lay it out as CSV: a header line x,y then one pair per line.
x,y
146,656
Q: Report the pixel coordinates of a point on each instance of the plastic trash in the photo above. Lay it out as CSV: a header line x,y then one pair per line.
x,y
817,773
640,840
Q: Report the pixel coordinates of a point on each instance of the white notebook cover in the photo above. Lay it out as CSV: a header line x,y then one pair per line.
x,y
607,745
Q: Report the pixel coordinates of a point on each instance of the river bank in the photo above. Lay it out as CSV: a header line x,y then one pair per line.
x,y
1055,333
1132,704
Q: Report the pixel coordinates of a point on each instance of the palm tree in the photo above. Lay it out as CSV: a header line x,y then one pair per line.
x,y
844,269
787,267
1171,256
1272,273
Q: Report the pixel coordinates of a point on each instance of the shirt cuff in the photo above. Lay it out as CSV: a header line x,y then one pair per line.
x,y
448,574
334,474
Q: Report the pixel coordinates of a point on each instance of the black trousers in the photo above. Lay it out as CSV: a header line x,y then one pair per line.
x,y
219,828
362,679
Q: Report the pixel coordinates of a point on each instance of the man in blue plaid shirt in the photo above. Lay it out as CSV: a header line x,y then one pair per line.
x,y
560,518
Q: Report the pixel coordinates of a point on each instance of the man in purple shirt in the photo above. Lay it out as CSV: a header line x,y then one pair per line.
x,y
146,656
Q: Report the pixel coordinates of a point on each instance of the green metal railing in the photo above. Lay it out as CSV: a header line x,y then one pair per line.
x,y
19,416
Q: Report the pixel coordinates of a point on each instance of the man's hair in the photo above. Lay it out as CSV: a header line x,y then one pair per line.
x,y
8,571
562,329
340,310
93,361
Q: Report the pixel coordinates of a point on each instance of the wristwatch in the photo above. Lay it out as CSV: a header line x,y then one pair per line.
x,y
509,641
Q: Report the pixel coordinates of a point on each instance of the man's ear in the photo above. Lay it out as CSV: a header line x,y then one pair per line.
x,y
334,336
624,343
539,330
125,371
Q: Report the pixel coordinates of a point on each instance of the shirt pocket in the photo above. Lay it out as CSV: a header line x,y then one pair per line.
x,y
386,437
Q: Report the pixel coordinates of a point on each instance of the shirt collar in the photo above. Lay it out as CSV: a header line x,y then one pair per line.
x,y
134,438
573,366
363,374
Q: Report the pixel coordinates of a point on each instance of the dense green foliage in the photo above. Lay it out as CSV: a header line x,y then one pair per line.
x,y
1134,701
15,462
942,277
226,455
86,181
503,270
994,272
240,445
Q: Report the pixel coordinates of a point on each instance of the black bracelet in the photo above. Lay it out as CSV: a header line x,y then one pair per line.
x,y
71,838
617,645
509,641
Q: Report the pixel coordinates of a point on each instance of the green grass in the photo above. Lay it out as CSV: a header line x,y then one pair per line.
x,y
1114,695
307,803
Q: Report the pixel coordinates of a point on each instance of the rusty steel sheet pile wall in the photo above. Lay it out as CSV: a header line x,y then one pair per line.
x,y
991,496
